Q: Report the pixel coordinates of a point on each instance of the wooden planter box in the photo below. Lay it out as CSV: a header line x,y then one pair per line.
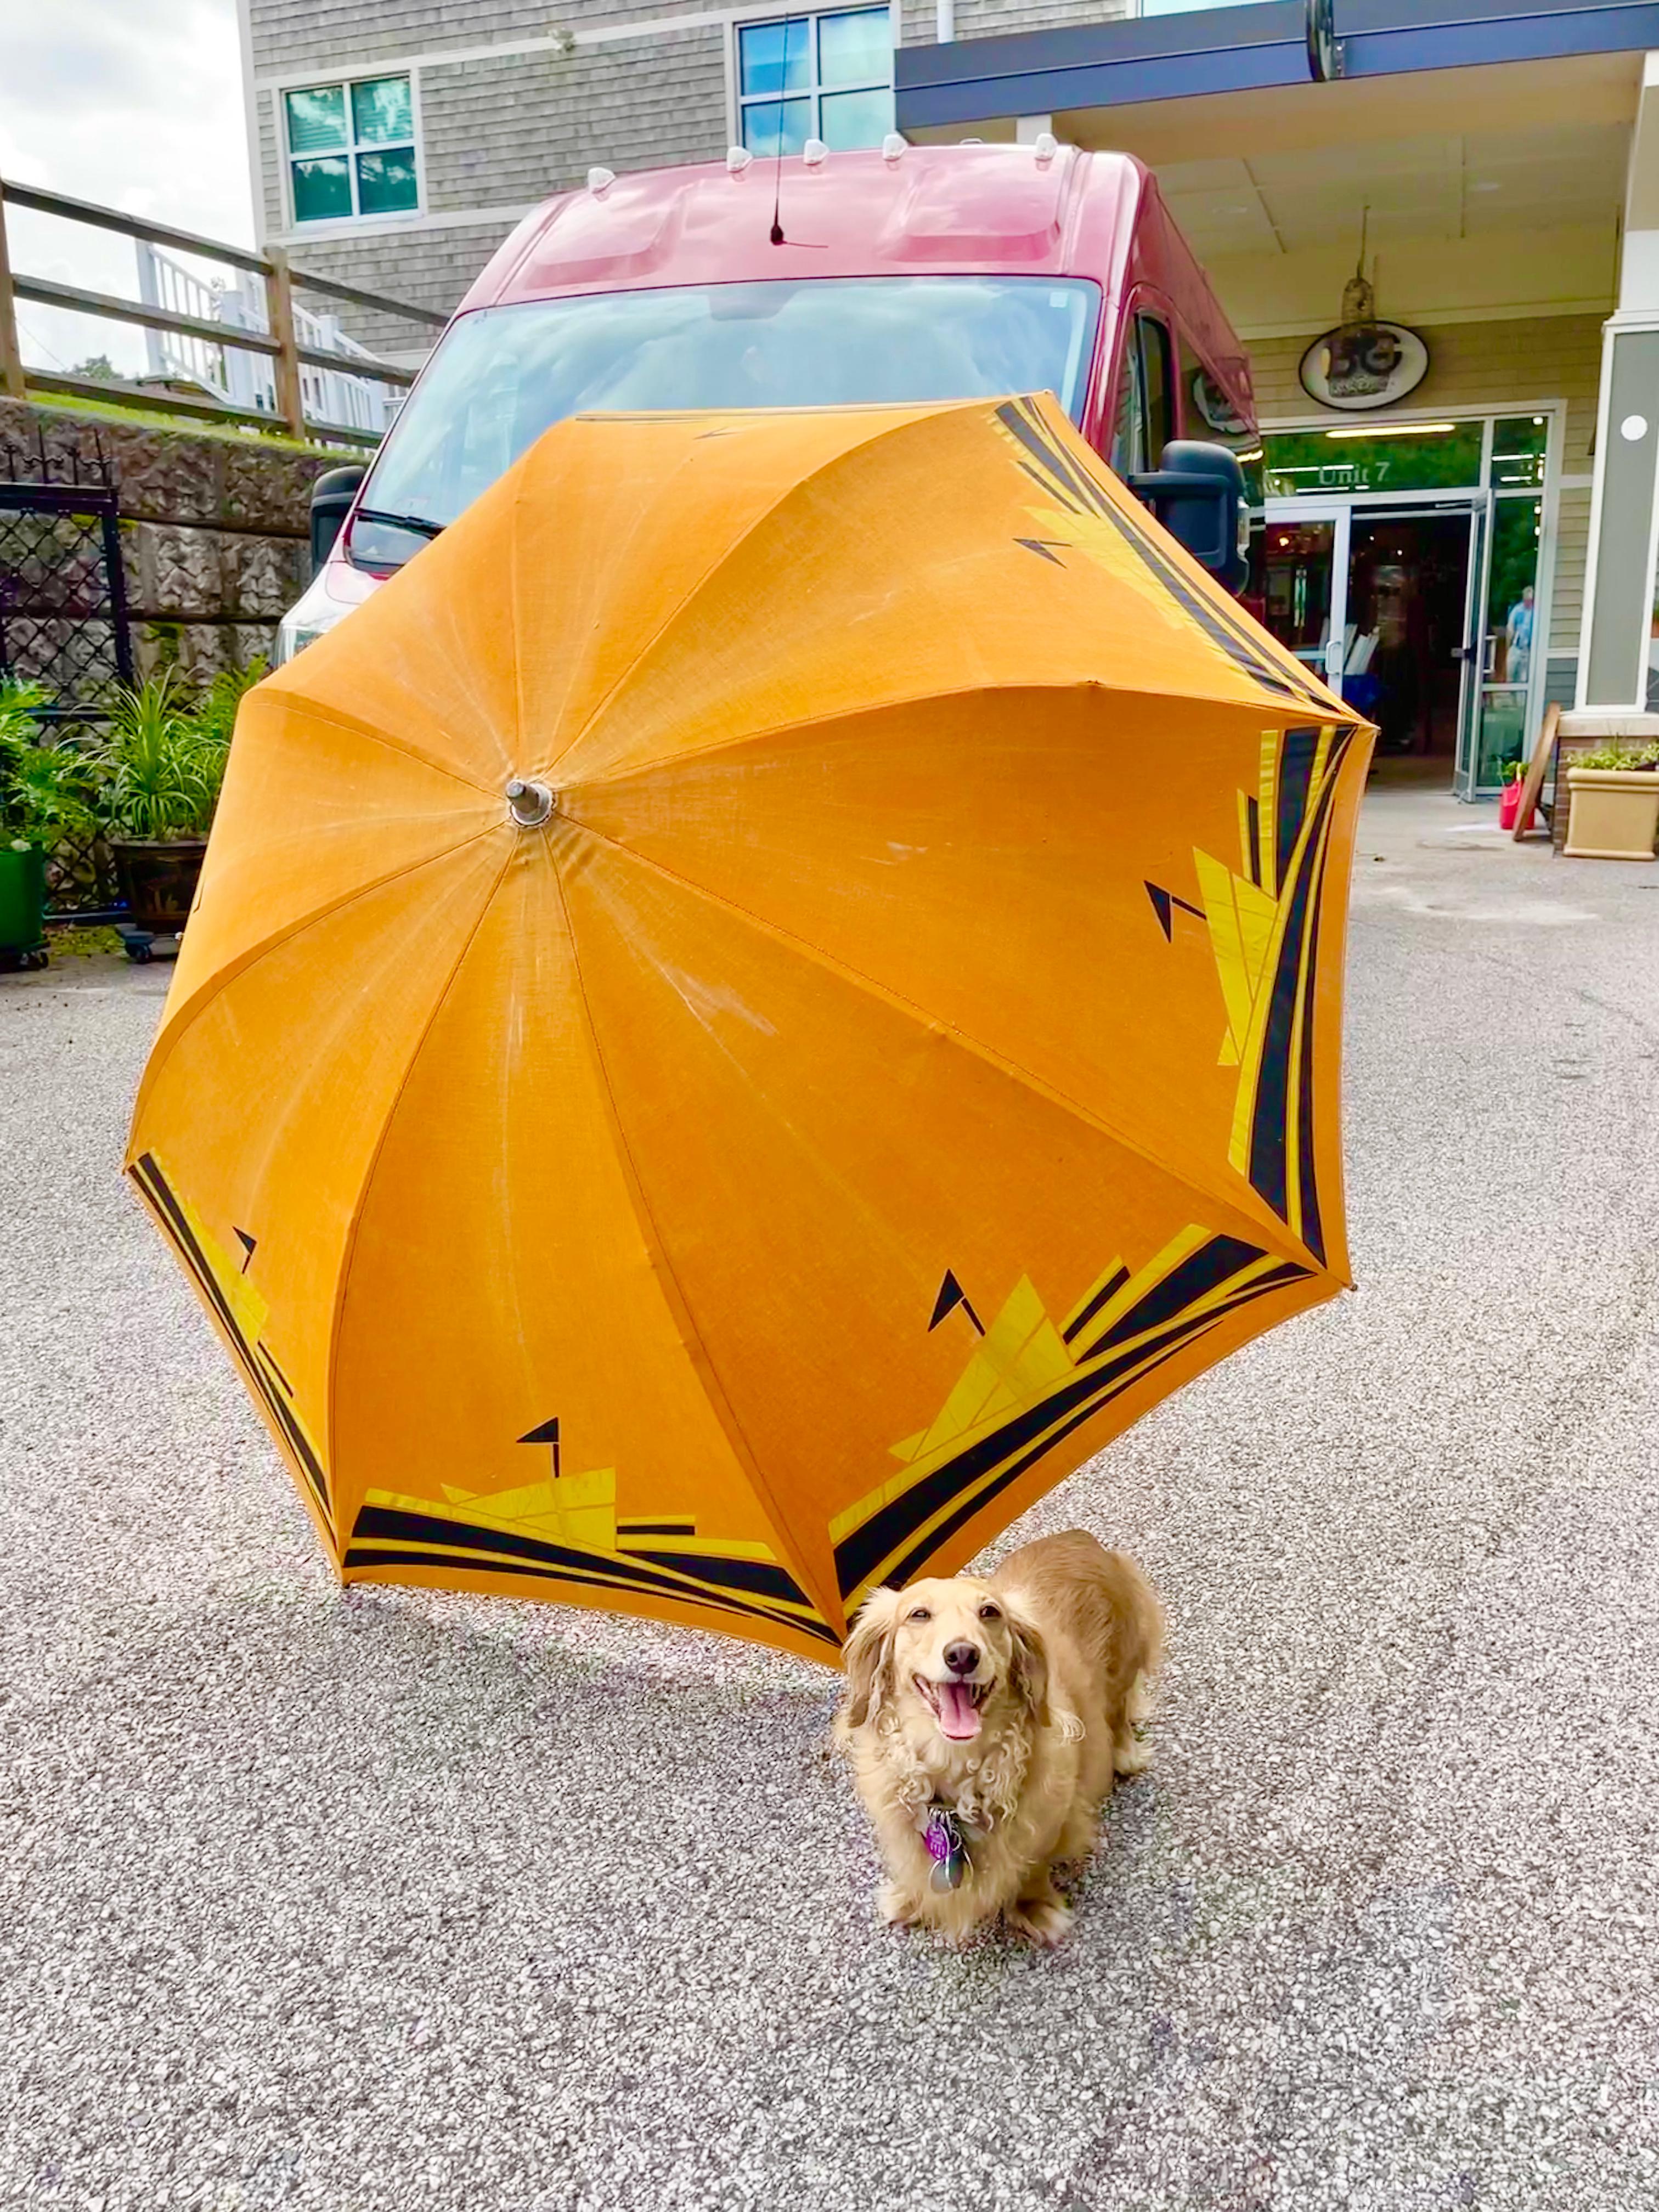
x,y
1614,813
1585,729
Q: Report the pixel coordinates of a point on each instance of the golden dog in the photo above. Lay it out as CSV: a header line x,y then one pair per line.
x,y
984,1721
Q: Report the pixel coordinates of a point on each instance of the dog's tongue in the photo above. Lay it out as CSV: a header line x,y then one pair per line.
x,y
959,1716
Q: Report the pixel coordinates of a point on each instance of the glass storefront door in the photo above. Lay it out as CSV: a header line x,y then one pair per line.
x,y
1401,561
1419,614
1501,707
1409,615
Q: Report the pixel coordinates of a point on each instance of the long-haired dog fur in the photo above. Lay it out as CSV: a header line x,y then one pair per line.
x,y
1010,1703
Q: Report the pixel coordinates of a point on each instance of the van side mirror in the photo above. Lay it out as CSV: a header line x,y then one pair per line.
x,y
331,495
1197,492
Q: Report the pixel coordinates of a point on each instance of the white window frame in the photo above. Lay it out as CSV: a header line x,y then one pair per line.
x,y
324,226
739,100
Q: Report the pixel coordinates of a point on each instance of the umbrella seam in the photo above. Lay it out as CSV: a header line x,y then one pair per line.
x,y
730,1424
692,590
354,729
171,1035
349,1253
939,1027
1265,711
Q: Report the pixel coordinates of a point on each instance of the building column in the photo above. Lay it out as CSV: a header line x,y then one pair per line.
x,y
1619,585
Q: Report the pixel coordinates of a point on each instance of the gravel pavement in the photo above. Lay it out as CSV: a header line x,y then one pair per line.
x,y
392,1899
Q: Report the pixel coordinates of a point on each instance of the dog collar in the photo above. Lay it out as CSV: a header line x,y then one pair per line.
x,y
947,1846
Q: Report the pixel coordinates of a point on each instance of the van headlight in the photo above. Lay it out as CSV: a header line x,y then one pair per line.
x,y
292,635
332,594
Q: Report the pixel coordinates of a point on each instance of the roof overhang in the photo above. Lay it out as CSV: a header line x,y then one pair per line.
x,y
1242,49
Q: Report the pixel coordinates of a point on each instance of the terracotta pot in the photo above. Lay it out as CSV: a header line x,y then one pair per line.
x,y
158,879
1615,813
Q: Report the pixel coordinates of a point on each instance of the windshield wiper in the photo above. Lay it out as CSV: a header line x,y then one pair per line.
x,y
417,523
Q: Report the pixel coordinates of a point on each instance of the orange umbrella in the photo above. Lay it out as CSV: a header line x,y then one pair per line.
x,y
771,992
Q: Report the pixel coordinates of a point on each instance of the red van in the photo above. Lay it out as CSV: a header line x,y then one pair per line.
x,y
906,274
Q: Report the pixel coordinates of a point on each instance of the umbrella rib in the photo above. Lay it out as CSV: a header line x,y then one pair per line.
x,y
725,1413
353,728
689,596
1256,714
349,1253
174,1030
948,1031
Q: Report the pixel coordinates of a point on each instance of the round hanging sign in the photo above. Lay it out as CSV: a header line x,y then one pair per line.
x,y
1368,366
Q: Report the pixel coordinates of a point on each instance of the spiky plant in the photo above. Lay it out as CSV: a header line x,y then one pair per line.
x,y
216,712
164,770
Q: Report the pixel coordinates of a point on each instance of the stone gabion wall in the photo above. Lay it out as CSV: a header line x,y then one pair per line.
x,y
214,527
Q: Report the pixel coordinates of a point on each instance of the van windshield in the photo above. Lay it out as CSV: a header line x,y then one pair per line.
x,y
502,374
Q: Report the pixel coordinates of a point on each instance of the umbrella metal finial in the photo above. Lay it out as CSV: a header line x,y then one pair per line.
x,y
530,803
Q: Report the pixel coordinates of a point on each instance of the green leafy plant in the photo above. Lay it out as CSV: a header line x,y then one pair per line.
x,y
56,796
163,766
48,793
20,728
1617,754
216,711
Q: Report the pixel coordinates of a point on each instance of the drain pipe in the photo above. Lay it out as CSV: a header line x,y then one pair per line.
x,y
945,29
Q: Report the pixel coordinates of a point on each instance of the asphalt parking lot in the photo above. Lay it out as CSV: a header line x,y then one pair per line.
x,y
392,1900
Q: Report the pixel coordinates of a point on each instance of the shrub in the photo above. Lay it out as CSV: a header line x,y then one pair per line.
x,y
48,793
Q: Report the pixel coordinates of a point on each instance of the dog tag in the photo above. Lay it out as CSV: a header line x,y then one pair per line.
x,y
946,1848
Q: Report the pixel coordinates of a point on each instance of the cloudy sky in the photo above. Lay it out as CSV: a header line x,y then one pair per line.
x,y
135,103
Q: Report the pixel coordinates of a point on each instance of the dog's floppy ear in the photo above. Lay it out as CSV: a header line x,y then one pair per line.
x,y
866,1654
1027,1675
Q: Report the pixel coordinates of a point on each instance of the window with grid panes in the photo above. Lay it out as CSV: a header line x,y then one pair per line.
x,y
351,150
816,77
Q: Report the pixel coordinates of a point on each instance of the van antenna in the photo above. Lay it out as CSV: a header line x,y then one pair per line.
x,y
815,246
778,237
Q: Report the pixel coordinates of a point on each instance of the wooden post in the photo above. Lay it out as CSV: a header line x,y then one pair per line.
x,y
279,295
11,357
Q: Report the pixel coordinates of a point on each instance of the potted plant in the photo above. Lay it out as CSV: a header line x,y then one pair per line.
x,y
1614,813
164,757
1509,805
46,796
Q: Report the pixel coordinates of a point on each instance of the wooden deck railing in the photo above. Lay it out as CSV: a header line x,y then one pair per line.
x,y
280,345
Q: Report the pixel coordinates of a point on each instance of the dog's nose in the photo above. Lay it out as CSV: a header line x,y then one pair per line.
x,y
962,1658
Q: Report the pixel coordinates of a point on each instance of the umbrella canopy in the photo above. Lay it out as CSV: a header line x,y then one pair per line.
x,y
768,993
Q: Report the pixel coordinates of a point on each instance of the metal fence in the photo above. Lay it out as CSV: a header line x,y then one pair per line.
x,y
62,594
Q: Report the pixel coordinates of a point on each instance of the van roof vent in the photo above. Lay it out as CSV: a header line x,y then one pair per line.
x,y
1045,147
813,152
738,158
600,181
892,147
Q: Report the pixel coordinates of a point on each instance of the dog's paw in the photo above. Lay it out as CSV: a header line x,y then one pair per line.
x,y
1132,1751
1043,1920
